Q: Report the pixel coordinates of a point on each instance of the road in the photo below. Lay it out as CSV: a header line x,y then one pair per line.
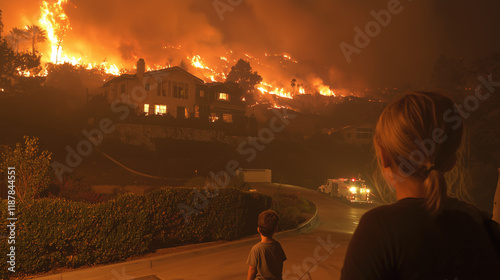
x,y
316,254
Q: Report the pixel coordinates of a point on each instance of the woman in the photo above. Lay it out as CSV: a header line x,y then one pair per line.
x,y
425,234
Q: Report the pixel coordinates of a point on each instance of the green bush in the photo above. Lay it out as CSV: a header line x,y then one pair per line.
x,y
32,168
291,209
52,233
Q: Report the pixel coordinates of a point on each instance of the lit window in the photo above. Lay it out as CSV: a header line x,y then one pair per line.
x,y
160,109
223,96
146,109
227,118
186,113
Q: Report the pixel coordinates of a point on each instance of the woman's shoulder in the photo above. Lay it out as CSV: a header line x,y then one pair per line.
x,y
415,207
453,204
398,208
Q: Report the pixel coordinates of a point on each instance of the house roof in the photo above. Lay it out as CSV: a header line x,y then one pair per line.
x,y
176,68
165,70
122,77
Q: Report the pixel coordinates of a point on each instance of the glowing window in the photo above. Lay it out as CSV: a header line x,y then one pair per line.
x,y
227,118
186,113
223,96
160,109
146,109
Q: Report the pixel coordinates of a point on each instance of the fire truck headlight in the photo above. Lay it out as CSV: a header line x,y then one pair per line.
x,y
353,189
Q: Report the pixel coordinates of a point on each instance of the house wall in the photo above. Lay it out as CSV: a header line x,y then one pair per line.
x,y
358,134
158,81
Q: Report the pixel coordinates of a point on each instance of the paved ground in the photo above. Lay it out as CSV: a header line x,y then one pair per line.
x,y
317,253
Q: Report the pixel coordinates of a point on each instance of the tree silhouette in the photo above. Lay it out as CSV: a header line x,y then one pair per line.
x,y
242,74
16,37
12,64
183,65
1,24
293,84
35,34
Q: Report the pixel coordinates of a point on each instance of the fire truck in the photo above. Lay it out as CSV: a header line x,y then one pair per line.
x,y
353,190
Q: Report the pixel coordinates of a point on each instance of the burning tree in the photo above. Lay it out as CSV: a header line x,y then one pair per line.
x,y
56,22
242,74
1,24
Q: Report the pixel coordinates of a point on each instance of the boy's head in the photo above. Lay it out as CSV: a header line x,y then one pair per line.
x,y
268,222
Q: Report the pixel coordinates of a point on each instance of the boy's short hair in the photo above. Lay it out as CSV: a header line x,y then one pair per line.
x,y
268,222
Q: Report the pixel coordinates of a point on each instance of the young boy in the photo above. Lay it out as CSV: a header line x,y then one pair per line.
x,y
266,257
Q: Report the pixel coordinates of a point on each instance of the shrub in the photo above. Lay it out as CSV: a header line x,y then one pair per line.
x,y
33,169
52,233
290,209
78,190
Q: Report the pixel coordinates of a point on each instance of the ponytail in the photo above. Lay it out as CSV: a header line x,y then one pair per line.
x,y
435,190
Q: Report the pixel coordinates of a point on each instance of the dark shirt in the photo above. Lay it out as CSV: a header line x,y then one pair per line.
x,y
268,258
404,241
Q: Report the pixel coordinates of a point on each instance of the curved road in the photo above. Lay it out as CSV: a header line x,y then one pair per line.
x,y
315,254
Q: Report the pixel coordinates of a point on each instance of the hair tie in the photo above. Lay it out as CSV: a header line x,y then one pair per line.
x,y
432,167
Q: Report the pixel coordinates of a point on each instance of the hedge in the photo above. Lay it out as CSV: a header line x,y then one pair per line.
x,y
52,233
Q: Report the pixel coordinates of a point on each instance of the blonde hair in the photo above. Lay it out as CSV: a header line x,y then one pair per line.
x,y
420,134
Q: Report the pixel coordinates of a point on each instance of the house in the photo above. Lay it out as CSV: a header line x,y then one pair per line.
x,y
222,102
176,92
354,134
169,91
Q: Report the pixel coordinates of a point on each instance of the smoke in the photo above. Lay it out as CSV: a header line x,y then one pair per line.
x,y
309,31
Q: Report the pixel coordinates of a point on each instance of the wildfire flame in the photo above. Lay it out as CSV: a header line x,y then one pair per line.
x,y
196,62
55,21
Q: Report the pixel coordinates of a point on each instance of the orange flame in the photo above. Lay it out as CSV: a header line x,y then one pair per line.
x,y
55,21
